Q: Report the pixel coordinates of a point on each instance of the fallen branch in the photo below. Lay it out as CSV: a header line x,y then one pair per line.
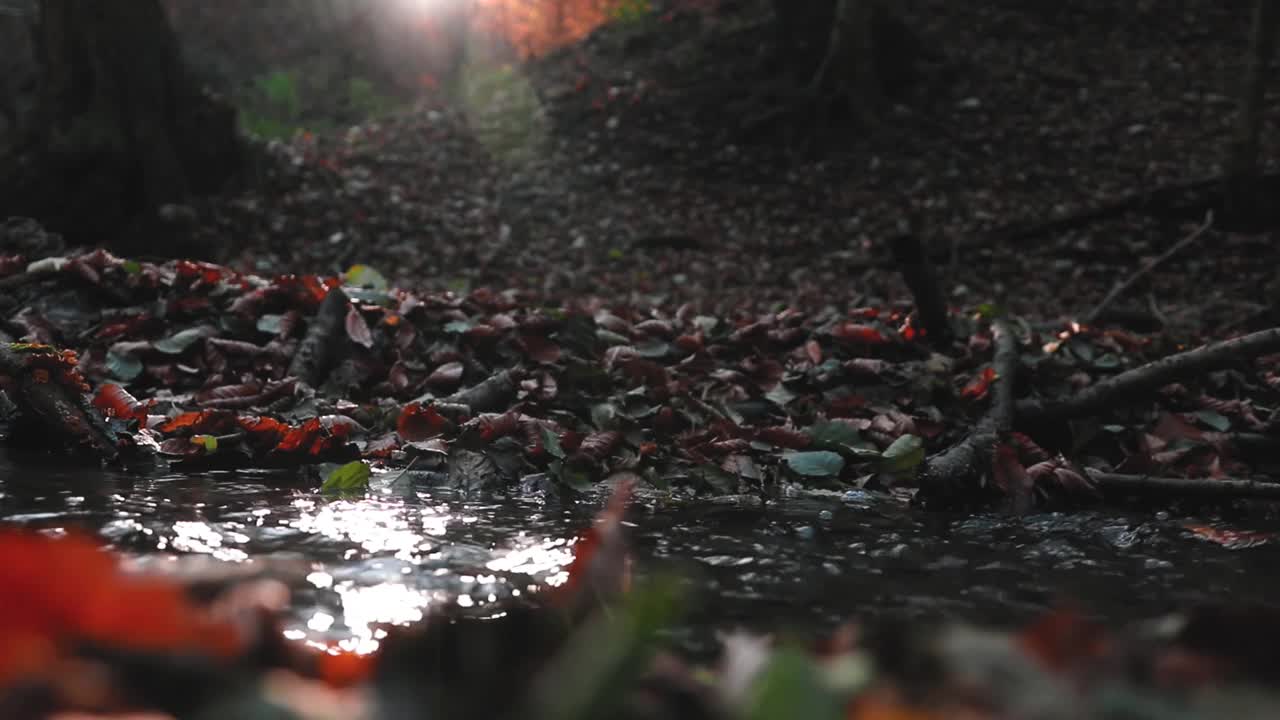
x,y
917,271
1184,487
1164,200
1122,287
1116,390
960,462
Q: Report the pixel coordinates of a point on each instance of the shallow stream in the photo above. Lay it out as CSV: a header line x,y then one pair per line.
x,y
803,564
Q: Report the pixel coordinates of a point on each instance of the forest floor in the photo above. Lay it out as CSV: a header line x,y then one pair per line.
x,y
618,167
586,274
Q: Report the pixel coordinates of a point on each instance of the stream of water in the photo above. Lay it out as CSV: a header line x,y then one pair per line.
x,y
803,564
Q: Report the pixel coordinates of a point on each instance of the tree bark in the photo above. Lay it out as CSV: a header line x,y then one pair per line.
x,y
122,130
1242,159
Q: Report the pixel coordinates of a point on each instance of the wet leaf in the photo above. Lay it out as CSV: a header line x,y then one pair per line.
x,y
447,376
903,455
208,443
816,463
350,478
551,441
1217,421
417,423
358,329
270,324
178,343
833,434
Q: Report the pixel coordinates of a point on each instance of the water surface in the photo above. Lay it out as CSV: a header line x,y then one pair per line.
x,y
806,564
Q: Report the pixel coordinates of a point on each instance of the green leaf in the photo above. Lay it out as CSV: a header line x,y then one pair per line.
x,y
208,442
816,463
610,338
592,675
178,344
365,276
990,311
780,395
1217,421
551,441
458,327
123,367
352,477
903,455
576,478
1107,361
831,435
791,687
132,267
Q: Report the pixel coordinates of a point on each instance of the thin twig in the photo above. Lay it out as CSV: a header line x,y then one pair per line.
x,y
1122,287
1118,390
1184,487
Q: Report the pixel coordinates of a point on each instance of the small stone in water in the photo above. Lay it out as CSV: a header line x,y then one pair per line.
x,y
806,532
1162,515
826,515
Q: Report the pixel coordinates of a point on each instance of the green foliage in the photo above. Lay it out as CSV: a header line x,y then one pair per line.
x,y
283,102
505,111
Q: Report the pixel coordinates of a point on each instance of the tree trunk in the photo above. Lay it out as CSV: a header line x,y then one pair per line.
x,y
122,131
845,54
1242,161
849,67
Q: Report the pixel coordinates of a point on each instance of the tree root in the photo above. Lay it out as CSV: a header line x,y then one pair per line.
x,y
1154,375
1184,487
956,465
319,350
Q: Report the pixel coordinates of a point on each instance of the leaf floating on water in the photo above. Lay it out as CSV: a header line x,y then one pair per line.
x,y
1232,539
350,478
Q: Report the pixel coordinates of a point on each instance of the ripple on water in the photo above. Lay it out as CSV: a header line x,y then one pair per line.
x,y
359,565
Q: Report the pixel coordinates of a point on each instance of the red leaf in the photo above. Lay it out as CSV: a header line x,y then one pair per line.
x,y
358,329
1063,639
978,387
784,437
493,427
601,564
225,392
115,401
598,446
418,423
60,593
1231,539
857,333
206,422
